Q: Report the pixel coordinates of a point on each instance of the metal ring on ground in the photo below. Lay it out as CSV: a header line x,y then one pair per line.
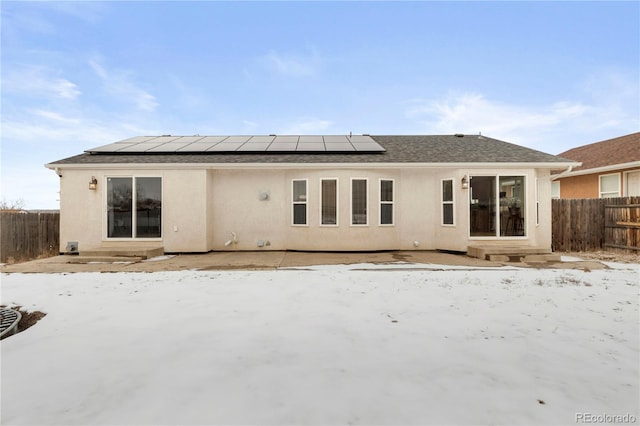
x,y
9,320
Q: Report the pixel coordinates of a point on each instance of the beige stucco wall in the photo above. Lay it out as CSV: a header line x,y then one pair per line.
x,y
201,208
184,209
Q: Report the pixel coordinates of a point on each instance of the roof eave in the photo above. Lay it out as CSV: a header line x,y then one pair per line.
x,y
360,165
593,170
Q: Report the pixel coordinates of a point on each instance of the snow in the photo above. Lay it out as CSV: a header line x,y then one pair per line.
x,y
340,344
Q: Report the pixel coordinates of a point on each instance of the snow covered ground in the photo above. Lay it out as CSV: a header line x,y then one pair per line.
x,y
357,344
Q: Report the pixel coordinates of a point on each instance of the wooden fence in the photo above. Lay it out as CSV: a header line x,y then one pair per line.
x,y
593,224
25,236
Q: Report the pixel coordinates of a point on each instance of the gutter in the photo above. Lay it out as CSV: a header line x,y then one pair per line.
x,y
365,165
563,174
603,169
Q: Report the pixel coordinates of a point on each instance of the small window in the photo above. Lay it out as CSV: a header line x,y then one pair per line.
x,y
299,197
537,203
328,201
555,189
359,202
386,202
447,202
610,185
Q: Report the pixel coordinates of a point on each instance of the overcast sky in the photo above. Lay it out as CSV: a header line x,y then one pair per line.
x,y
547,75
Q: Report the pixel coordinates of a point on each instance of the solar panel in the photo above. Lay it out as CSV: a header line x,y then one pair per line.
x,y
169,147
286,138
189,139
311,146
261,139
225,146
336,139
271,143
196,147
140,147
282,146
338,146
311,139
255,146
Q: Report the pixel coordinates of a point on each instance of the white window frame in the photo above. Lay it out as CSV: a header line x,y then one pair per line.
x,y
626,182
366,192
294,202
559,185
537,195
134,200
452,202
497,237
332,225
602,194
392,202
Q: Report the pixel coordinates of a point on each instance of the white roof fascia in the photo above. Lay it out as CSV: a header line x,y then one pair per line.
x,y
308,165
610,168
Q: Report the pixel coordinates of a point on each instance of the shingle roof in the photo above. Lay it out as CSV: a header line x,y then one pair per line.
x,y
620,150
399,149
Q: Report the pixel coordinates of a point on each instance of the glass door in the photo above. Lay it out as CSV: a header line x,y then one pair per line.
x,y
134,214
119,207
482,206
497,206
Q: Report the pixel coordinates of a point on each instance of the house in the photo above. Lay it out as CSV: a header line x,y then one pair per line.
x,y
285,192
610,168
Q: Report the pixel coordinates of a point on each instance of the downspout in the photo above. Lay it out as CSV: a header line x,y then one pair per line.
x,y
563,174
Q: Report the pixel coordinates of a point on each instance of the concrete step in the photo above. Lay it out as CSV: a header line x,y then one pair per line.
x,y
103,259
512,253
123,251
523,257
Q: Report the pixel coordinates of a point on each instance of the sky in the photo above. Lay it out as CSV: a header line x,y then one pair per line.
x,y
75,75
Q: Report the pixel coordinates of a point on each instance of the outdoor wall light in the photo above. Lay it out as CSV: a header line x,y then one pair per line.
x,y
465,182
93,183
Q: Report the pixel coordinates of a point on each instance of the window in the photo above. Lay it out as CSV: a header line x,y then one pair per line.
x,y
299,199
359,202
447,202
134,214
537,203
555,189
610,185
386,202
633,184
328,201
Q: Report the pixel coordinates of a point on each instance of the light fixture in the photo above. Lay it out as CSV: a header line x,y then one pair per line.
x,y
465,182
93,183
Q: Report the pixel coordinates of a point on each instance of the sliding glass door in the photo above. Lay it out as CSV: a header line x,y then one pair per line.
x,y
496,206
134,214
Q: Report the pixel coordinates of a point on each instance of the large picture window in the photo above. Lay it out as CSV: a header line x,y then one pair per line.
x,y
359,202
386,202
299,197
134,214
328,201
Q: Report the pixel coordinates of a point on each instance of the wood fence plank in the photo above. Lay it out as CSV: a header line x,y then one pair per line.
x,y
595,224
25,236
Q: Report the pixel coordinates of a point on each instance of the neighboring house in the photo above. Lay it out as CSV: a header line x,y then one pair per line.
x,y
610,168
333,193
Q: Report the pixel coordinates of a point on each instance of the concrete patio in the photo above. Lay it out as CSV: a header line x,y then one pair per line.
x,y
263,260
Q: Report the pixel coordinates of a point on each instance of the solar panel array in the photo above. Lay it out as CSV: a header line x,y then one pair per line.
x,y
220,144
